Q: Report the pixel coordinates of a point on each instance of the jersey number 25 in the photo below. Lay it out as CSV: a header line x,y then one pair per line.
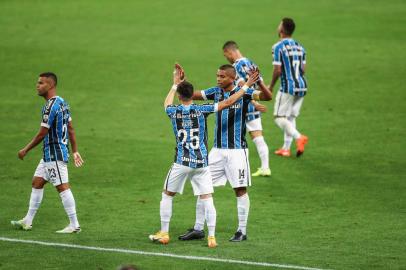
x,y
194,138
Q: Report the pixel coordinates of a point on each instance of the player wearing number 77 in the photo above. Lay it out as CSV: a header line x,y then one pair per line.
x,y
289,61
56,132
189,123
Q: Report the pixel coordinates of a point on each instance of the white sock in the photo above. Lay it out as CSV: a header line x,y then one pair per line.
x,y
287,127
70,207
35,202
165,211
210,214
243,208
288,139
263,151
200,215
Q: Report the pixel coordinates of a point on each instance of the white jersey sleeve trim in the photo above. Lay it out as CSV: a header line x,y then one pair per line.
x,y
70,119
216,107
203,95
276,63
45,125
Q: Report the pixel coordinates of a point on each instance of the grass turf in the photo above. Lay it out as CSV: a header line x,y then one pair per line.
x,y
341,206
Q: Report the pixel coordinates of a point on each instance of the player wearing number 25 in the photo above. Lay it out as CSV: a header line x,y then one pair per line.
x,y
189,123
56,132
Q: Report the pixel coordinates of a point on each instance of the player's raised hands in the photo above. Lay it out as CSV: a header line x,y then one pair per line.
x,y
178,74
181,71
253,77
77,159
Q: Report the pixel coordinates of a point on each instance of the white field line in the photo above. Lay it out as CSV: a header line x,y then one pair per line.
x,y
146,253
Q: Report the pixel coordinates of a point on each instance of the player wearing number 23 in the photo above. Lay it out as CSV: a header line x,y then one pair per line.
x,y
56,132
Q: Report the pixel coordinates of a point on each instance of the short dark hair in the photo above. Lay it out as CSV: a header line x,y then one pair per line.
x,y
185,90
50,75
288,26
230,45
228,67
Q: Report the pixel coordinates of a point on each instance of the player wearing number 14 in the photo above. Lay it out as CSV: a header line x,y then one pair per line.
x,y
189,123
56,132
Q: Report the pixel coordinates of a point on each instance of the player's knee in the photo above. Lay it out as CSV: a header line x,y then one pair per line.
x,y
280,121
169,193
241,191
255,134
205,196
38,183
62,187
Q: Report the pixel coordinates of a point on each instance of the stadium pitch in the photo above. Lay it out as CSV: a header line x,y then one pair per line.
x,y
340,206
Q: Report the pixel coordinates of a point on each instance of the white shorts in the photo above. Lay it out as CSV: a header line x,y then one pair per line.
x,y
254,125
55,172
287,105
231,165
200,179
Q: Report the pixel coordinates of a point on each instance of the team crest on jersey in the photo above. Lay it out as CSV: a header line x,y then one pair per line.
x,y
45,118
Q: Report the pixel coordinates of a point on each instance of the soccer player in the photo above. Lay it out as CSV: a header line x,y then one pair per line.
x,y
228,159
242,66
56,132
190,129
289,61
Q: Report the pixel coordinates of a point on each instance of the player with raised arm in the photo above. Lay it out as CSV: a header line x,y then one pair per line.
x,y
56,132
228,159
289,61
242,66
190,130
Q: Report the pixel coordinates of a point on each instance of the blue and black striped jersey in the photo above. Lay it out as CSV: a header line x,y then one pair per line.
x,y
252,113
291,56
242,67
230,126
189,125
55,117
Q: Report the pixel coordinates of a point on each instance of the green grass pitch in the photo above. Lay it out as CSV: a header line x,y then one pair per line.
x,y
340,206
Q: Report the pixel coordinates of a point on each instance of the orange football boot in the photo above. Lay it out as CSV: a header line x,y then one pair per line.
x,y
300,145
211,242
282,152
